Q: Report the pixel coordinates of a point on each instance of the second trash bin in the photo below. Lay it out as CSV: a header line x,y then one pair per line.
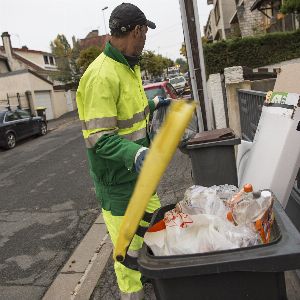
x,y
213,157
41,112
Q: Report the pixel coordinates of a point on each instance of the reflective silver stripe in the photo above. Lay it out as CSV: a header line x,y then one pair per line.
x,y
106,122
137,135
135,119
133,296
91,141
133,253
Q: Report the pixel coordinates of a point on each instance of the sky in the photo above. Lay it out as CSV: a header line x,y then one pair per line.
x,y
35,23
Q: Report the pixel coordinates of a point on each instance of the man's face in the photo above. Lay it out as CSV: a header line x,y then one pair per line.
x,y
140,38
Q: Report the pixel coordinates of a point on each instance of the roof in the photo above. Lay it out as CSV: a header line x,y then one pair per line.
x,y
25,49
98,41
26,71
155,85
3,57
257,4
24,60
28,63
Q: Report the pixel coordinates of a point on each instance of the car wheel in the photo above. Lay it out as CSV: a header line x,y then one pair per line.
x,y
43,128
10,141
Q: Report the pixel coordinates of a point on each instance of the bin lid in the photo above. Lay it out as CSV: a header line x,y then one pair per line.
x,y
40,108
212,136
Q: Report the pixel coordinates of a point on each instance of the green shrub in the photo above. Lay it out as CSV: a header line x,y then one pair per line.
x,y
252,52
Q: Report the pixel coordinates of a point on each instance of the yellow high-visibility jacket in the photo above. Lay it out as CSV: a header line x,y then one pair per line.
x,y
114,112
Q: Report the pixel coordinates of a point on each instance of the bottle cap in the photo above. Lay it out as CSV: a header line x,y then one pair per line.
x,y
248,188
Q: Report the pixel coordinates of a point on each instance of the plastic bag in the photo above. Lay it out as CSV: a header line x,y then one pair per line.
x,y
158,118
199,224
202,200
189,234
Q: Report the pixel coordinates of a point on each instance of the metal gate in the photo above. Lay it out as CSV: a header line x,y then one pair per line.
x,y
250,103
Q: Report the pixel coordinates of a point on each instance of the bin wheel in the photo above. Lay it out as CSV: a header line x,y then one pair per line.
x,y
10,141
43,128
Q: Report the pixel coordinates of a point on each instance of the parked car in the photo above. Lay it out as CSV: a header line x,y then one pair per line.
x,y
164,89
178,83
19,124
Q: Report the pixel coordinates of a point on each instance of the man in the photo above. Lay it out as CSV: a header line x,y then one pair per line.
x,y
114,111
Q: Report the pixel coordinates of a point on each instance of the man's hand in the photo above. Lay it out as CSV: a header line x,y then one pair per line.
x,y
161,101
139,158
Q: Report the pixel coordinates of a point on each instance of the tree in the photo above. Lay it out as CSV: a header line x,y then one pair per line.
x,y
154,64
183,50
291,6
62,51
87,56
183,65
75,68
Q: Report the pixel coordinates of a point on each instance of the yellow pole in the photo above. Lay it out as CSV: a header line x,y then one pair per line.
x,y
160,154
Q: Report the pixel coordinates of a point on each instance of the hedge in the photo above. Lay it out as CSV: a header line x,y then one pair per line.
x,y
252,52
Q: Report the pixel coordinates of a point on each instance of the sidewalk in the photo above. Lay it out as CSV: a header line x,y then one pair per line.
x,y
62,120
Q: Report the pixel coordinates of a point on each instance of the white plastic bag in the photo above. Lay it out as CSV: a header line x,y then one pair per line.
x,y
198,224
188,234
202,200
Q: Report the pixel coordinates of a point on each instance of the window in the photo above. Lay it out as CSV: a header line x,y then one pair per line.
x,y
152,93
51,60
217,12
23,114
171,88
11,116
46,60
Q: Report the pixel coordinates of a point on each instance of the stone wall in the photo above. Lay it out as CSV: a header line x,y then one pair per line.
x,y
251,22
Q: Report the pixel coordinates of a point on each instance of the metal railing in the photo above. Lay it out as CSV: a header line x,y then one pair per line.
x,y
250,103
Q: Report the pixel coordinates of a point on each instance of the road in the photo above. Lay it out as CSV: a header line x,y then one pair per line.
x,y
47,204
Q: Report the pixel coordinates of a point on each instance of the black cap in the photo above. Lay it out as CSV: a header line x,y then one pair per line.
x,y
126,16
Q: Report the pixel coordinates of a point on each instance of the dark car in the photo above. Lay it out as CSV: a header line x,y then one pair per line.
x,y
19,124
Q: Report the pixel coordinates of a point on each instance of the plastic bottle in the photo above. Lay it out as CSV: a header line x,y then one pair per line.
x,y
251,208
244,193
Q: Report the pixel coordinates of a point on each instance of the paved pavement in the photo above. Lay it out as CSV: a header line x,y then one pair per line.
x,y
63,121
47,204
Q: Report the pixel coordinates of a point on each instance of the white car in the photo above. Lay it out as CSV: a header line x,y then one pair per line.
x,y
178,83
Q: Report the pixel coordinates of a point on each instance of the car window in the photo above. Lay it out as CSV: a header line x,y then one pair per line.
x,y
152,93
181,79
174,80
171,88
23,114
11,116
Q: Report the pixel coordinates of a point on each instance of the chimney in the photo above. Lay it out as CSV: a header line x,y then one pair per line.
x,y
24,48
8,49
7,44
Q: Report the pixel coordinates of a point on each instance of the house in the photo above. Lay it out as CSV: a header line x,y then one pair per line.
x,y
245,22
218,24
40,62
25,80
94,39
274,20
247,18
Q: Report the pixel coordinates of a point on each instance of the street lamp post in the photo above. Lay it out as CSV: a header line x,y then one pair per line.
x,y
103,9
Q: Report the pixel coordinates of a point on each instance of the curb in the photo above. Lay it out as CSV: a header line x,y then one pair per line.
x,y
79,276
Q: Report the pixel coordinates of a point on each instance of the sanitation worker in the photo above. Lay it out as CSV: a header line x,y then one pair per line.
x,y
114,112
